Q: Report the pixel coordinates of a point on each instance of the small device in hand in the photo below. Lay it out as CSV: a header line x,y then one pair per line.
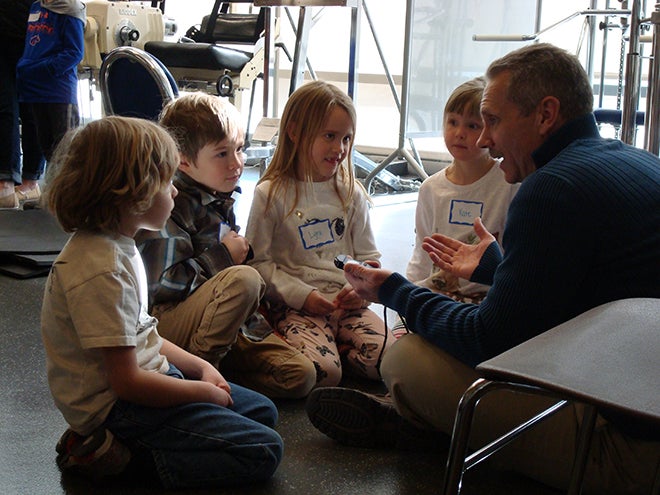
x,y
343,259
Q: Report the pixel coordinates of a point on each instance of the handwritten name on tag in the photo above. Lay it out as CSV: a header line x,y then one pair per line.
x,y
316,233
465,212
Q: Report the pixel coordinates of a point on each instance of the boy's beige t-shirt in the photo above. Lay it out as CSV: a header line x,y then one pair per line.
x,y
96,296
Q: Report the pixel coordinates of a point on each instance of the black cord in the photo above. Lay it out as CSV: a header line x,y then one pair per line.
x,y
382,350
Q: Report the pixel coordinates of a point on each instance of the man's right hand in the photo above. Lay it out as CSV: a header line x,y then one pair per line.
x,y
365,280
456,257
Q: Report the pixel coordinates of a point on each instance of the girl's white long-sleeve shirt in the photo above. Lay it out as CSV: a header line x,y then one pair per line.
x,y
451,209
295,254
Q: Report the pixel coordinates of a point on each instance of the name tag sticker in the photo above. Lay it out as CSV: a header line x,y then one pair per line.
x,y
316,233
465,212
223,230
33,17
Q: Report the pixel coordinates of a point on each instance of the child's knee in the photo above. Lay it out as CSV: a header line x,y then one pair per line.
x,y
273,450
328,374
296,376
243,281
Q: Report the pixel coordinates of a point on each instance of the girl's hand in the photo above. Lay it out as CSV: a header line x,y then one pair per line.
x,y
237,245
349,299
316,304
456,257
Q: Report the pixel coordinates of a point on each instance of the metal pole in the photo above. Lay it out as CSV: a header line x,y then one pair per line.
x,y
603,68
651,136
388,75
591,22
632,78
537,19
407,55
403,120
300,52
354,50
275,67
268,54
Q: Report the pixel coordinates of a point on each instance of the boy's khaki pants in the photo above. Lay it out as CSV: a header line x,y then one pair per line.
x,y
208,324
426,385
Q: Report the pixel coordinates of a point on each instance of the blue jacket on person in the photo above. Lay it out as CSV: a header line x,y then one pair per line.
x,y
54,46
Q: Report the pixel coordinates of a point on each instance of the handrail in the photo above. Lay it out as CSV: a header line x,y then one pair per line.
x,y
534,36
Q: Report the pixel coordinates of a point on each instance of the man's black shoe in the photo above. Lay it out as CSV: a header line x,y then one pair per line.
x,y
358,419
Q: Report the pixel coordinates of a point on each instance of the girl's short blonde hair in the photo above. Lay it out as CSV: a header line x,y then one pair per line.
x,y
197,119
305,113
105,167
466,98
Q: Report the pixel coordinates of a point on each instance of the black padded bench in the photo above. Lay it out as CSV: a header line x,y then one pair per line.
x,y
198,56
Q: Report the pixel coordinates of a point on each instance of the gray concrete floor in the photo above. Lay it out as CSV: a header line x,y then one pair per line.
x,y
30,425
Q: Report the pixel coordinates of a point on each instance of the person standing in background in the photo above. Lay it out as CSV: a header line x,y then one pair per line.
x,y
18,177
47,76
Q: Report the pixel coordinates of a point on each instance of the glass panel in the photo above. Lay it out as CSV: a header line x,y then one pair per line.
x,y
443,54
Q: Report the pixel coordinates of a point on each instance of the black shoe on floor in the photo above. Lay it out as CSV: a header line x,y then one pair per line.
x,y
359,419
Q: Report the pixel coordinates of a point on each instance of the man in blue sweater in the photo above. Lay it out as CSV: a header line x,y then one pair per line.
x,y
583,230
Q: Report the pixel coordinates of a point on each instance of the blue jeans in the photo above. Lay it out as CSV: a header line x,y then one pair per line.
x,y
53,120
33,162
202,444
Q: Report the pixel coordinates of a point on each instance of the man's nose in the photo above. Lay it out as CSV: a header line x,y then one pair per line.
x,y
484,140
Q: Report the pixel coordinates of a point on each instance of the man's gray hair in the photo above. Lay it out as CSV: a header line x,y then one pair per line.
x,y
541,70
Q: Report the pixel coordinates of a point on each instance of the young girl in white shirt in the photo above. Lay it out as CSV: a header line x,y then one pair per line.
x,y
451,200
307,209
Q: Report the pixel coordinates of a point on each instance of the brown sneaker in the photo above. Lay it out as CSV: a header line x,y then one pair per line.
x,y
97,455
9,201
359,419
30,195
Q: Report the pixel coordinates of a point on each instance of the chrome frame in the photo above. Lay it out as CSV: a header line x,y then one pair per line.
x,y
145,60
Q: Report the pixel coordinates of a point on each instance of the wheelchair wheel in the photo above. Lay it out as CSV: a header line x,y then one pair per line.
x,y
225,86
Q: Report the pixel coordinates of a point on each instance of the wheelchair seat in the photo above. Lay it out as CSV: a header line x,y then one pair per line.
x,y
198,55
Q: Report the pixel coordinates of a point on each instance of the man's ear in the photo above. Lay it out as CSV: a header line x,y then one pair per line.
x,y
292,131
549,119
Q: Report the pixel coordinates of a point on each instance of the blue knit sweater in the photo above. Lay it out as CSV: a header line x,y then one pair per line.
x,y
583,230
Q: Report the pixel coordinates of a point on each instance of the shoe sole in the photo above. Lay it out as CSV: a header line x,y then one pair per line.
x,y
7,206
352,417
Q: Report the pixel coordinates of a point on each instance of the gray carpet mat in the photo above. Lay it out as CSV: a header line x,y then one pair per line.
x,y
30,240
